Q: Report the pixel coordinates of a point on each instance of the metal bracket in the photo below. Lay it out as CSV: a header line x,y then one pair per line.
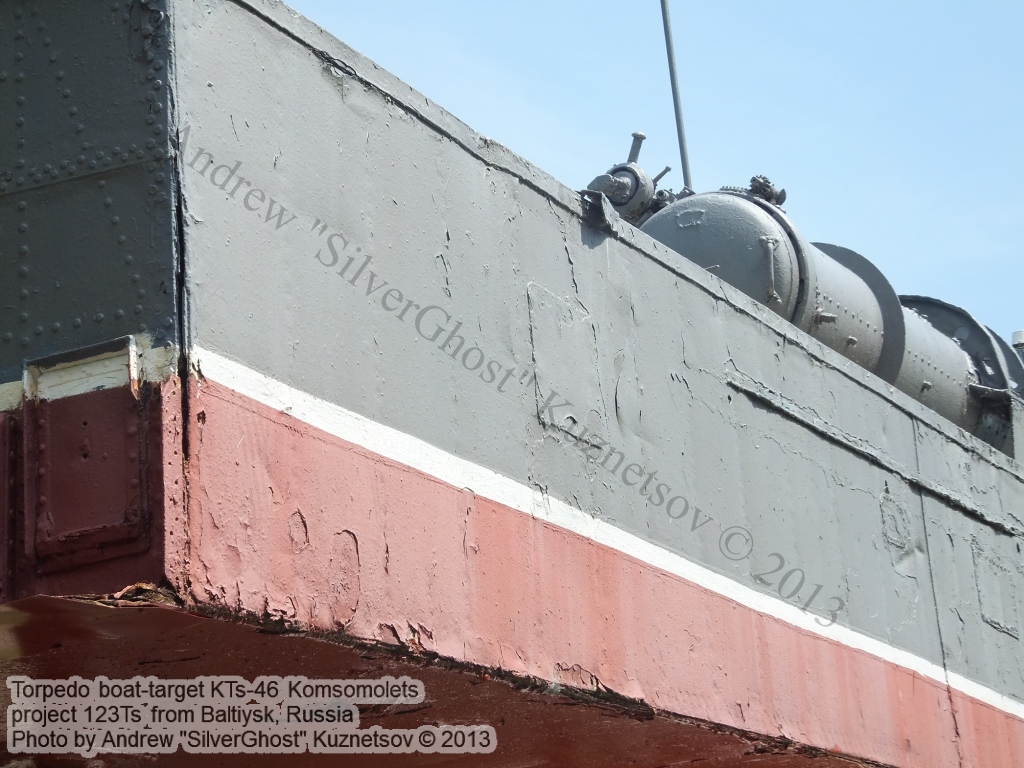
x,y
598,210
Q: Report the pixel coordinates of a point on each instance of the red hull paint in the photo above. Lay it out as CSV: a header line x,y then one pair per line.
x,y
90,479
293,521
534,728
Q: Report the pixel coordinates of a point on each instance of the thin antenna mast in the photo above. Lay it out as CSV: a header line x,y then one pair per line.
x,y
675,95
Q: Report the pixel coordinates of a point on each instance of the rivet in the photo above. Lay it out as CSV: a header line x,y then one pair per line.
x,y
124,157
152,189
21,100
63,163
7,336
134,483
22,205
39,330
71,169
92,163
101,184
46,41
23,227
133,457
24,341
53,57
150,119
158,129
131,148
73,111
19,56
67,92
120,239
168,322
3,76
23,317
99,317
132,430
151,74
20,76
157,84
20,121
37,178
157,108
24,271
150,143
138,311
77,322
60,74
108,202
24,293
106,161
20,163
79,128
23,250
115,220
42,501
140,154
20,180
159,177
55,327
128,259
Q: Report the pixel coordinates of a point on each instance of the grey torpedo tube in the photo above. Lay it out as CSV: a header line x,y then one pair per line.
x,y
955,366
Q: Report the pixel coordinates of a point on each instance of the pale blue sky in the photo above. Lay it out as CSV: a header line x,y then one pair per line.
x,y
897,128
